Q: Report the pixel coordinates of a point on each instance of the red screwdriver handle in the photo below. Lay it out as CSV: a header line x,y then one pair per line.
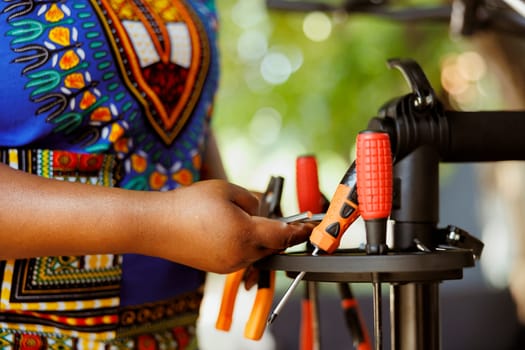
x,y
374,186
309,196
374,174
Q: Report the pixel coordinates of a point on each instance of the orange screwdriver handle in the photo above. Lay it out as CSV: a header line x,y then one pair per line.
x,y
229,294
374,186
256,324
341,213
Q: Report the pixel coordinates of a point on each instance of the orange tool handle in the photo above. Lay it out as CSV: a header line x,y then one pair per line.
x,y
229,294
256,324
309,196
341,213
374,174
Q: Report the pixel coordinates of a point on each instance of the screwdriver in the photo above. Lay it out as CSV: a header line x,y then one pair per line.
x,y
374,190
353,318
309,198
326,236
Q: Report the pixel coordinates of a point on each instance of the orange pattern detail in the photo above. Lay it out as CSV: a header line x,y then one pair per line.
x,y
69,60
139,163
183,177
101,114
60,35
87,100
121,145
116,132
197,161
157,180
54,14
74,81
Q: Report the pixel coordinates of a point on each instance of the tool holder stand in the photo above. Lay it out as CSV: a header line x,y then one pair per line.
x,y
414,279
421,256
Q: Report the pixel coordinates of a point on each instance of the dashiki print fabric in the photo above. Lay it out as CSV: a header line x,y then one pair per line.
x,y
109,93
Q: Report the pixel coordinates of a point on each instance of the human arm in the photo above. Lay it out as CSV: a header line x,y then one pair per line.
x,y
212,166
209,225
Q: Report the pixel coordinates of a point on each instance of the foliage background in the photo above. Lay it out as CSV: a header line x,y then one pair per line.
x,y
323,91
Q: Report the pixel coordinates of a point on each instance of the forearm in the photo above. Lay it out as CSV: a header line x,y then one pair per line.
x,y
212,166
209,225
49,217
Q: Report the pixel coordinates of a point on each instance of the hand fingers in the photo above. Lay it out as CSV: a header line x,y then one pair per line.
x,y
276,235
244,199
250,277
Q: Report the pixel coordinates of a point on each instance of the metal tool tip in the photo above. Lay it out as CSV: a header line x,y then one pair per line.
x,y
272,318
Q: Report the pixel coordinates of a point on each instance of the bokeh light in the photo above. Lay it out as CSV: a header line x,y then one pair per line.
x,y
266,125
248,13
252,45
276,68
317,26
461,77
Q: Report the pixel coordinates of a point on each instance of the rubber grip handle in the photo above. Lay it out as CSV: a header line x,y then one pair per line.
x,y
353,318
256,324
229,294
341,213
309,196
305,331
374,174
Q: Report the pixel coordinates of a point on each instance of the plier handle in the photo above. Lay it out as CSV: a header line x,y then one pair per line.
x,y
270,206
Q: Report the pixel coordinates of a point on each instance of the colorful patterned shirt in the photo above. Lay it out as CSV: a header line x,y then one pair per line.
x,y
114,93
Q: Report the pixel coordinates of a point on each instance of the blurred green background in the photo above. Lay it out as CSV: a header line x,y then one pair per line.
x,y
298,83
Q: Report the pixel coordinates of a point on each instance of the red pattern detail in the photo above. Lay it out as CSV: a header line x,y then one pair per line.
x,y
76,321
167,80
146,342
182,336
70,161
30,342
65,161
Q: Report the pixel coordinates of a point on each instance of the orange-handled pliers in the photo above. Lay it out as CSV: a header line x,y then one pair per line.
x,y
256,324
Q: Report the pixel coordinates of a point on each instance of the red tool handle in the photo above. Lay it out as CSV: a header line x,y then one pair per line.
x,y
374,186
374,174
309,195
309,198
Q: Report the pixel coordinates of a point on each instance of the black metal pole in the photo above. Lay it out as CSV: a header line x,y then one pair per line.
x,y
414,307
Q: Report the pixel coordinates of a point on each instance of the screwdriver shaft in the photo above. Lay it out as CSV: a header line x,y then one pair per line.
x,y
288,293
378,323
286,296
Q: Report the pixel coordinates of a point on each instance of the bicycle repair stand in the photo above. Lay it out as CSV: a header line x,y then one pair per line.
x,y
422,135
